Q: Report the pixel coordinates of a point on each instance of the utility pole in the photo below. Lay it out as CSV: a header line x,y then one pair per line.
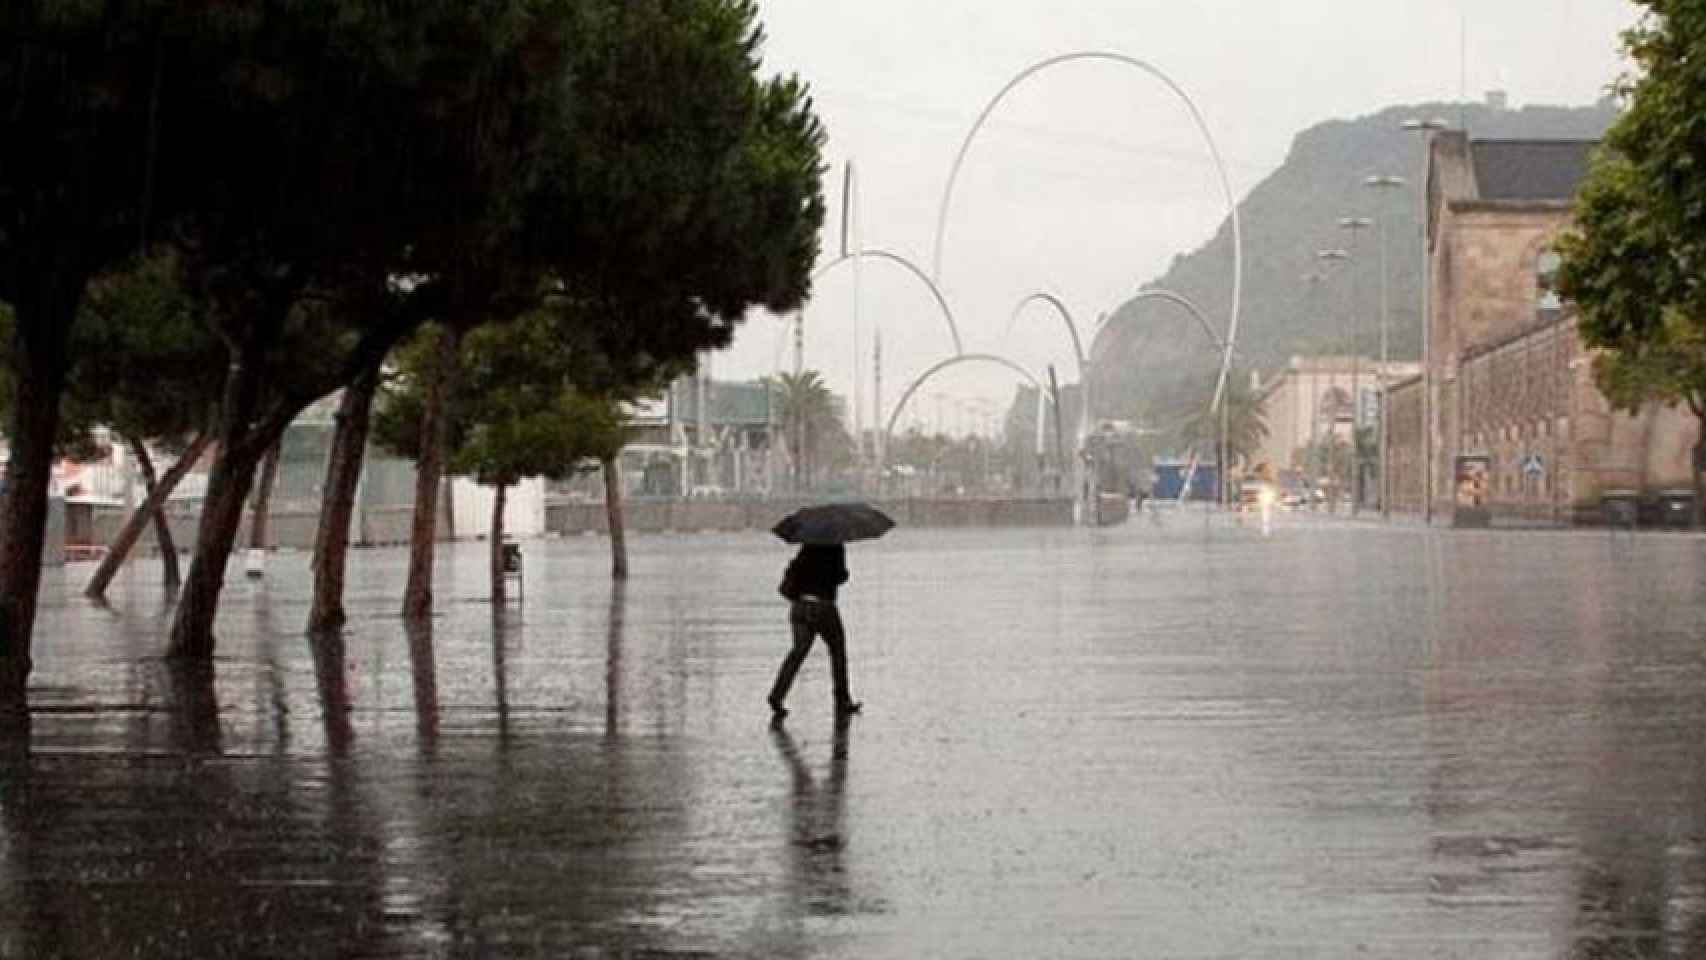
x,y
879,436
1385,183
1356,225
1332,256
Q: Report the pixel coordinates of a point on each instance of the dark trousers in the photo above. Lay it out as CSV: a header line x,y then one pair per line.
x,y
814,619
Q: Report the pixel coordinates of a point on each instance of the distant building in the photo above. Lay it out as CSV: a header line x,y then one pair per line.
x,y
1316,397
1518,429
703,437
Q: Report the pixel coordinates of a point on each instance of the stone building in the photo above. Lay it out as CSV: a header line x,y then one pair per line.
x,y
1310,399
1516,427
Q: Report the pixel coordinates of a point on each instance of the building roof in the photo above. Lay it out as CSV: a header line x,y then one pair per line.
x,y
1530,170
731,404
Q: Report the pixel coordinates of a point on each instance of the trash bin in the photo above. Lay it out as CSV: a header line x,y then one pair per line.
x,y
1676,508
1619,508
512,558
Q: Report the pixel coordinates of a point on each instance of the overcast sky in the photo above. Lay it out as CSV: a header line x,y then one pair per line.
x,y
1091,177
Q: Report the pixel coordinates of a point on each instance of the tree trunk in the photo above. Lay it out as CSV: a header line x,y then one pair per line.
x,y
153,507
332,678
429,470
170,575
423,669
260,525
221,520
1699,467
497,553
613,516
343,476
40,360
228,486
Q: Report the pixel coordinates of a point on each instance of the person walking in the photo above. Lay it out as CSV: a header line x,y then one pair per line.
x,y
810,584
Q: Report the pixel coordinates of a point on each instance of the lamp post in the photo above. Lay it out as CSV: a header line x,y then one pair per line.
x,y
1356,225
1426,128
1384,183
1331,257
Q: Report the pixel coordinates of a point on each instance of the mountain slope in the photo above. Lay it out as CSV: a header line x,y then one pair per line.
x,y
1152,361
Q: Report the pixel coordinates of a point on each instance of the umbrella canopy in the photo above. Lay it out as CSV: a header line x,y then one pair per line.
x,y
833,523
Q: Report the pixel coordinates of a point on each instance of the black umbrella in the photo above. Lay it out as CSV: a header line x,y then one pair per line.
x,y
832,523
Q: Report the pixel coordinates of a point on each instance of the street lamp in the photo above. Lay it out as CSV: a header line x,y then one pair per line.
x,y
1387,184
1331,257
1427,128
1356,225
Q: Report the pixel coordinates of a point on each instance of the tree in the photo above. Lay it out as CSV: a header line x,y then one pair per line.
x,y
97,164
142,353
525,417
1633,261
1246,423
422,121
810,423
522,415
337,505
683,191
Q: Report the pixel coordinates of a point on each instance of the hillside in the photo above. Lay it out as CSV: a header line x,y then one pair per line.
x,y
1287,218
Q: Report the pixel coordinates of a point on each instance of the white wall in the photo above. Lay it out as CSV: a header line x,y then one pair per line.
x,y
524,511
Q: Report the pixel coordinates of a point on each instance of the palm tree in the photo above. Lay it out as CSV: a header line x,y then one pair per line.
x,y
1246,423
809,417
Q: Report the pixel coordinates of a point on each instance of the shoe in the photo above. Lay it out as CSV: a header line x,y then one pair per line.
x,y
848,708
777,711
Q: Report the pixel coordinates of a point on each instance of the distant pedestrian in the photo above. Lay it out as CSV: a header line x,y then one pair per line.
x,y
810,584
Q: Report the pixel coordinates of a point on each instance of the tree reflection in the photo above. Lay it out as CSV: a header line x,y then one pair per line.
x,y
193,704
500,673
332,680
613,630
423,668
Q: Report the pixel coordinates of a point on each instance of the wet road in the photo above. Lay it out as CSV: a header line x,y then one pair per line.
x,y
1342,741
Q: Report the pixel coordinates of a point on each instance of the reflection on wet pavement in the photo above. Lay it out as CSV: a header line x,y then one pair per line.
x,y
1338,742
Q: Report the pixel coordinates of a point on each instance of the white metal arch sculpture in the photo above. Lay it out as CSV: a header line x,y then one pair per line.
x,y
1202,127
909,267
1065,315
926,376
1179,300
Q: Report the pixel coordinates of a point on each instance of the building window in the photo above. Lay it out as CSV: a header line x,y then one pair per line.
x,y
1547,303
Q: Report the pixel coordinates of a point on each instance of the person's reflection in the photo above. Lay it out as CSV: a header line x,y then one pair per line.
x,y
193,705
423,667
332,680
816,835
613,658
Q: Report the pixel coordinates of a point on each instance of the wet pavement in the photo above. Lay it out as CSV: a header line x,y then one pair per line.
x,y
1340,741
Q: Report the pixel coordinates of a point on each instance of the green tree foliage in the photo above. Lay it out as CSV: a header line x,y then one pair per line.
x,y
1634,262
97,163
145,363
810,418
522,414
1246,423
690,189
363,143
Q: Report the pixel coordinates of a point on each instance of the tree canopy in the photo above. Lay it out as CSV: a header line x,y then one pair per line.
x,y
522,415
1635,262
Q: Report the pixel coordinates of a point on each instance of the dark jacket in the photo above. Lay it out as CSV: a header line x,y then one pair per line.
x,y
816,571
